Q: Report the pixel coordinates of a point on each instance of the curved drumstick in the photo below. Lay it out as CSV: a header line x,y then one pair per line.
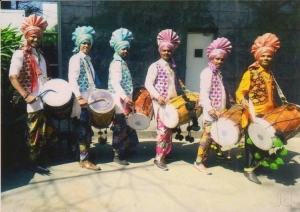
x,y
252,111
44,92
98,100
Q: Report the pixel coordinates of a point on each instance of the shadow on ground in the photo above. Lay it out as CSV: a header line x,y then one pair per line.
x,y
145,151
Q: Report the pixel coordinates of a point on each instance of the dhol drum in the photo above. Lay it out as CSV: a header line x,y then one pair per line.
x,y
142,113
57,97
101,108
180,110
284,120
226,131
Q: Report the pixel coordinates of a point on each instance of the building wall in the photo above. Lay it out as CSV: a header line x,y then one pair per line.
x,y
240,21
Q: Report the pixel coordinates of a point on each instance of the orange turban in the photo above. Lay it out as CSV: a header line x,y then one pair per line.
x,y
33,25
268,42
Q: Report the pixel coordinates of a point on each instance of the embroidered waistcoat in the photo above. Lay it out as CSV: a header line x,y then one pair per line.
x,y
215,94
258,88
83,81
161,83
126,81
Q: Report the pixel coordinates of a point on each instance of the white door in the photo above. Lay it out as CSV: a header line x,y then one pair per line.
x,y
196,59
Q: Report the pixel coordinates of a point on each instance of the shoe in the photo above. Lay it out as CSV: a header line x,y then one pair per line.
x,y
161,164
222,158
88,165
252,177
38,168
119,161
201,168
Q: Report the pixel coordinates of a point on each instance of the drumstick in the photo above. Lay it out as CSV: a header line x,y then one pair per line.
x,y
183,86
44,92
98,100
252,111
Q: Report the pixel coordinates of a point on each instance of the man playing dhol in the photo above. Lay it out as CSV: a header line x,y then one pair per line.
x,y
212,97
160,82
121,88
257,85
83,80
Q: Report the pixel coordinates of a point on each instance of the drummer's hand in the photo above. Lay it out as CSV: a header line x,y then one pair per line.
x,y
128,101
245,103
161,100
213,113
82,102
30,99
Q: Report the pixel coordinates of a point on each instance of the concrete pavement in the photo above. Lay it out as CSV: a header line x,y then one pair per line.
x,y
142,187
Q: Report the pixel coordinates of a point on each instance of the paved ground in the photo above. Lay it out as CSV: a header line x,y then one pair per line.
x,y
142,187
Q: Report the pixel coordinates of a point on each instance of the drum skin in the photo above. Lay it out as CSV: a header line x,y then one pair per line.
x,y
101,108
284,119
57,99
142,113
226,131
175,113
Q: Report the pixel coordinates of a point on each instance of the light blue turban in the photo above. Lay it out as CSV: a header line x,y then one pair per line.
x,y
120,39
82,34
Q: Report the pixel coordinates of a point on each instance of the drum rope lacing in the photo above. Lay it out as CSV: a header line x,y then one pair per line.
x,y
191,108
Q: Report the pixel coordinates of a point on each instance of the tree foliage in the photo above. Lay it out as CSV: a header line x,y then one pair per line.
x,y
10,41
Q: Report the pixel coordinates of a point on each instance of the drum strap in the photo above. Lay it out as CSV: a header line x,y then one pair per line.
x,y
280,93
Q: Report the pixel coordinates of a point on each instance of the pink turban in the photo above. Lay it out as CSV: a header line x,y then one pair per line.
x,y
167,38
33,25
220,46
268,42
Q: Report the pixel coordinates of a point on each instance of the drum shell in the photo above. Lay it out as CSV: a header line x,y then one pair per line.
x,y
103,116
284,119
175,112
226,131
60,112
57,103
143,111
142,102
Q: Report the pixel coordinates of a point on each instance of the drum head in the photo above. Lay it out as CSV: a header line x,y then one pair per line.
x,y
169,116
224,132
138,121
261,134
101,101
56,92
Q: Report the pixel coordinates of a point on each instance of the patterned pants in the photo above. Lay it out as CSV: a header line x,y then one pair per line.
x,y
205,143
124,137
83,133
41,132
163,138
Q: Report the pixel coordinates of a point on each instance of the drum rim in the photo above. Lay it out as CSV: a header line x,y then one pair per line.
x,y
66,91
162,116
130,117
101,111
234,125
253,134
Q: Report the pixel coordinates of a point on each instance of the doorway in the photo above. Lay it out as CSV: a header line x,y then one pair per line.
x,y
196,59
